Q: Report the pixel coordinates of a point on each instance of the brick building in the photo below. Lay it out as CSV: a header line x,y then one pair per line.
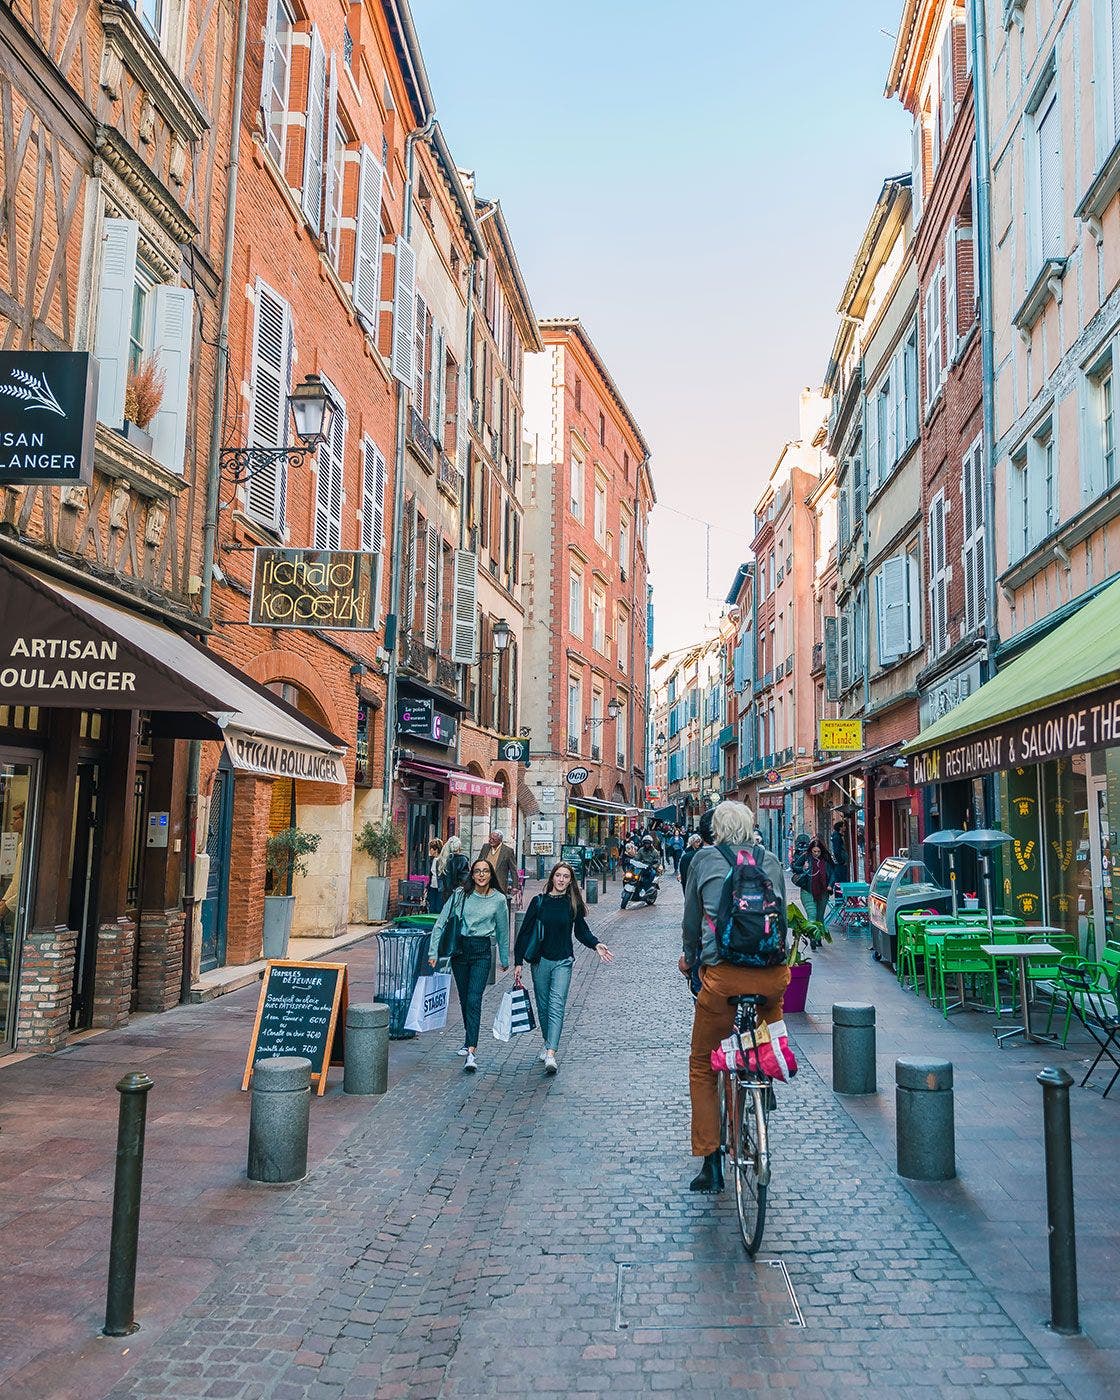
x,y
116,138
588,495
503,329
930,74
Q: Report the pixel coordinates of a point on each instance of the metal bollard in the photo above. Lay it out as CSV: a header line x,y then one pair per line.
x,y
279,1119
592,890
1059,1201
366,1067
120,1296
853,1048
925,1131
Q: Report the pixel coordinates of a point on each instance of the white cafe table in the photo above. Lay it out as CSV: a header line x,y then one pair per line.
x,y
1021,952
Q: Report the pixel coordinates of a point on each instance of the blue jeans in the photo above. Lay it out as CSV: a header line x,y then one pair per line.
x,y
551,981
471,970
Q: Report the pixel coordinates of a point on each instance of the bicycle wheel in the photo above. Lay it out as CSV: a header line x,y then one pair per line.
x,y
751,1164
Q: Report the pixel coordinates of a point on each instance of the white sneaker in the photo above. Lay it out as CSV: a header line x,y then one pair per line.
x,y
550,1065
470,1066
462,1050
543,1056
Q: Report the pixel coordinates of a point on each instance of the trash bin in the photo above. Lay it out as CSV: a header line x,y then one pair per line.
x,y
400,957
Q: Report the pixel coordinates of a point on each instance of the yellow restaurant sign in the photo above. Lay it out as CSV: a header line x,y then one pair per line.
x,y
841,735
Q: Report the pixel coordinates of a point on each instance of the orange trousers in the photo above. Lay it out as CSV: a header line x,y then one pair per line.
x,y
711,1024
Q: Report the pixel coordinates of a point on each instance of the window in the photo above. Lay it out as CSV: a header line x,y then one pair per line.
x,y
328,484
151,17
844,526
373,498
917,163
1045,178
575,603
938,579
140,329
596,723
1034,491
602,431
276,77
575,498
972,552
622,625
1106,76
337,141
598,621
1099,455
949,349
934,336
897,608
771,566
575,713
945,77
601,513
910,384
270,384
579,395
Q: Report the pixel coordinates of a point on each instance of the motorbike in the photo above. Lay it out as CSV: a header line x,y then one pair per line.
x,y
639,882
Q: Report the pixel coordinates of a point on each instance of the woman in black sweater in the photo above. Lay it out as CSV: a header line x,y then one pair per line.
x,y
545,942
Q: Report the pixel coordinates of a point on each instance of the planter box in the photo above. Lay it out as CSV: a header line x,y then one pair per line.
x,y
377,898
798,988
139,437
279,910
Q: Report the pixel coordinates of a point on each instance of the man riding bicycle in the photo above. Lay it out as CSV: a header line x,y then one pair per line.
x,y
732,827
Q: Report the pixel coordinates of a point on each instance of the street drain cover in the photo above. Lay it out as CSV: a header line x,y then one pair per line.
x,y
706,1294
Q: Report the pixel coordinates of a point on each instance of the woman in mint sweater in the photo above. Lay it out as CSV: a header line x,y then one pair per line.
x,y
483,914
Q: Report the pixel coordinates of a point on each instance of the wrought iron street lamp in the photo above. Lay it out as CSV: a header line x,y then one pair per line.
x,y
313,406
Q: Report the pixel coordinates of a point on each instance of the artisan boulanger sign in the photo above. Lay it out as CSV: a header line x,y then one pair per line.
x,y
332,589
48,407
276,758
1081,725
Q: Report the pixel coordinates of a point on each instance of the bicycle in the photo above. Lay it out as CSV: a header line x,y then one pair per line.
x,y
745,1099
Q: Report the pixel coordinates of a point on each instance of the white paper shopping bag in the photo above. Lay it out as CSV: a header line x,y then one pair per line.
x,y
427,1010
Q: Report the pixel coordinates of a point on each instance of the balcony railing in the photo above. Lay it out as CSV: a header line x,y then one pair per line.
x,y
447,674
448,476
419,660
573,743
414,655
421,440
595,752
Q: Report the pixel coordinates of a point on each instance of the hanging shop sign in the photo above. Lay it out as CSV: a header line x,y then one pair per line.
x,y
332,589
840,735
771,801
576,775
48,410
514,750
1080,725
542,836
420,718
276,758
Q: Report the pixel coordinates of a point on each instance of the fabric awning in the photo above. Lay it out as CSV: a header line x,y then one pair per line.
x,y
840,769
458,780
1059,698
65,648
599,806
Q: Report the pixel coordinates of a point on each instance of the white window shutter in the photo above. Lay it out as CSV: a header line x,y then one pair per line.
x,y
313,131
114,317
404,312
437,403
270,381
951,293
916,146
464,643
913,587
173,317
328,485
431,587
373,497
1050,179
845,649
871,449
892,454
269,54
892,602
330,174
946,84
367,243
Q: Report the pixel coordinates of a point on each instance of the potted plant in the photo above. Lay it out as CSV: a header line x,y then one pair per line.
x,y
805,935
143,396
284,860
381,841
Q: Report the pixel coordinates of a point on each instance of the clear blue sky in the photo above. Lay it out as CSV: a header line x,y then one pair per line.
x,y
693,182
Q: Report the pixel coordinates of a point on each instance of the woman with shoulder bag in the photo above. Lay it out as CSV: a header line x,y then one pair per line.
x,y
467,923
545,943
451,868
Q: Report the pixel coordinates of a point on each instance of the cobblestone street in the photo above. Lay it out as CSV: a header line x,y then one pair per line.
x,y
509,1234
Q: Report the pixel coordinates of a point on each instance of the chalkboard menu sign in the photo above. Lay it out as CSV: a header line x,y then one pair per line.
x,y
298,1015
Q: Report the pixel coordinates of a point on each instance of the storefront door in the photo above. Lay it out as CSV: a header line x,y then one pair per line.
x,y
423,824
215,906
1100,859
18,781
85,842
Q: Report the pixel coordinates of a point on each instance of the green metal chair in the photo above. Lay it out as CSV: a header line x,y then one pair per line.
x,y
960,956
1110,961
1074,974
935,932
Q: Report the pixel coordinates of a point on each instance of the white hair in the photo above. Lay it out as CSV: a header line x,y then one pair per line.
x,y
694,840
732,824
499,834
453,846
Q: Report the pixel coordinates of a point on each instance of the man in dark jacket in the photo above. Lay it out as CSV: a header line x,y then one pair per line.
x,y
502,860
840,858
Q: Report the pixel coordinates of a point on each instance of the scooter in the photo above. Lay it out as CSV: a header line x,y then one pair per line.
x,y
639,883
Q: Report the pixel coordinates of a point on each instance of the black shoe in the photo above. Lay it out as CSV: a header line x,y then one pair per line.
x,y
710,1176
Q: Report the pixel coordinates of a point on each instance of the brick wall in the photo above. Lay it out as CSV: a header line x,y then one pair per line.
x,y
160,960
245,922
46,981
112,989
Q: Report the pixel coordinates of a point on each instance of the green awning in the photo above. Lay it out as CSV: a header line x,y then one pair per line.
x,y
1062,685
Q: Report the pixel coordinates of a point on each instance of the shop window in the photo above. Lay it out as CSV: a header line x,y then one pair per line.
x,y
24,717
363,738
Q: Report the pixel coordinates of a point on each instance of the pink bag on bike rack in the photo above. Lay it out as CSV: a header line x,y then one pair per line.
x,y
773,1056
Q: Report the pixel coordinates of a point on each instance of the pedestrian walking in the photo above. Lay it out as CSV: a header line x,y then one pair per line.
x,y
733,833
545,943
694,844
452,868
476,916
502,861
840,858
434,896
815,877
